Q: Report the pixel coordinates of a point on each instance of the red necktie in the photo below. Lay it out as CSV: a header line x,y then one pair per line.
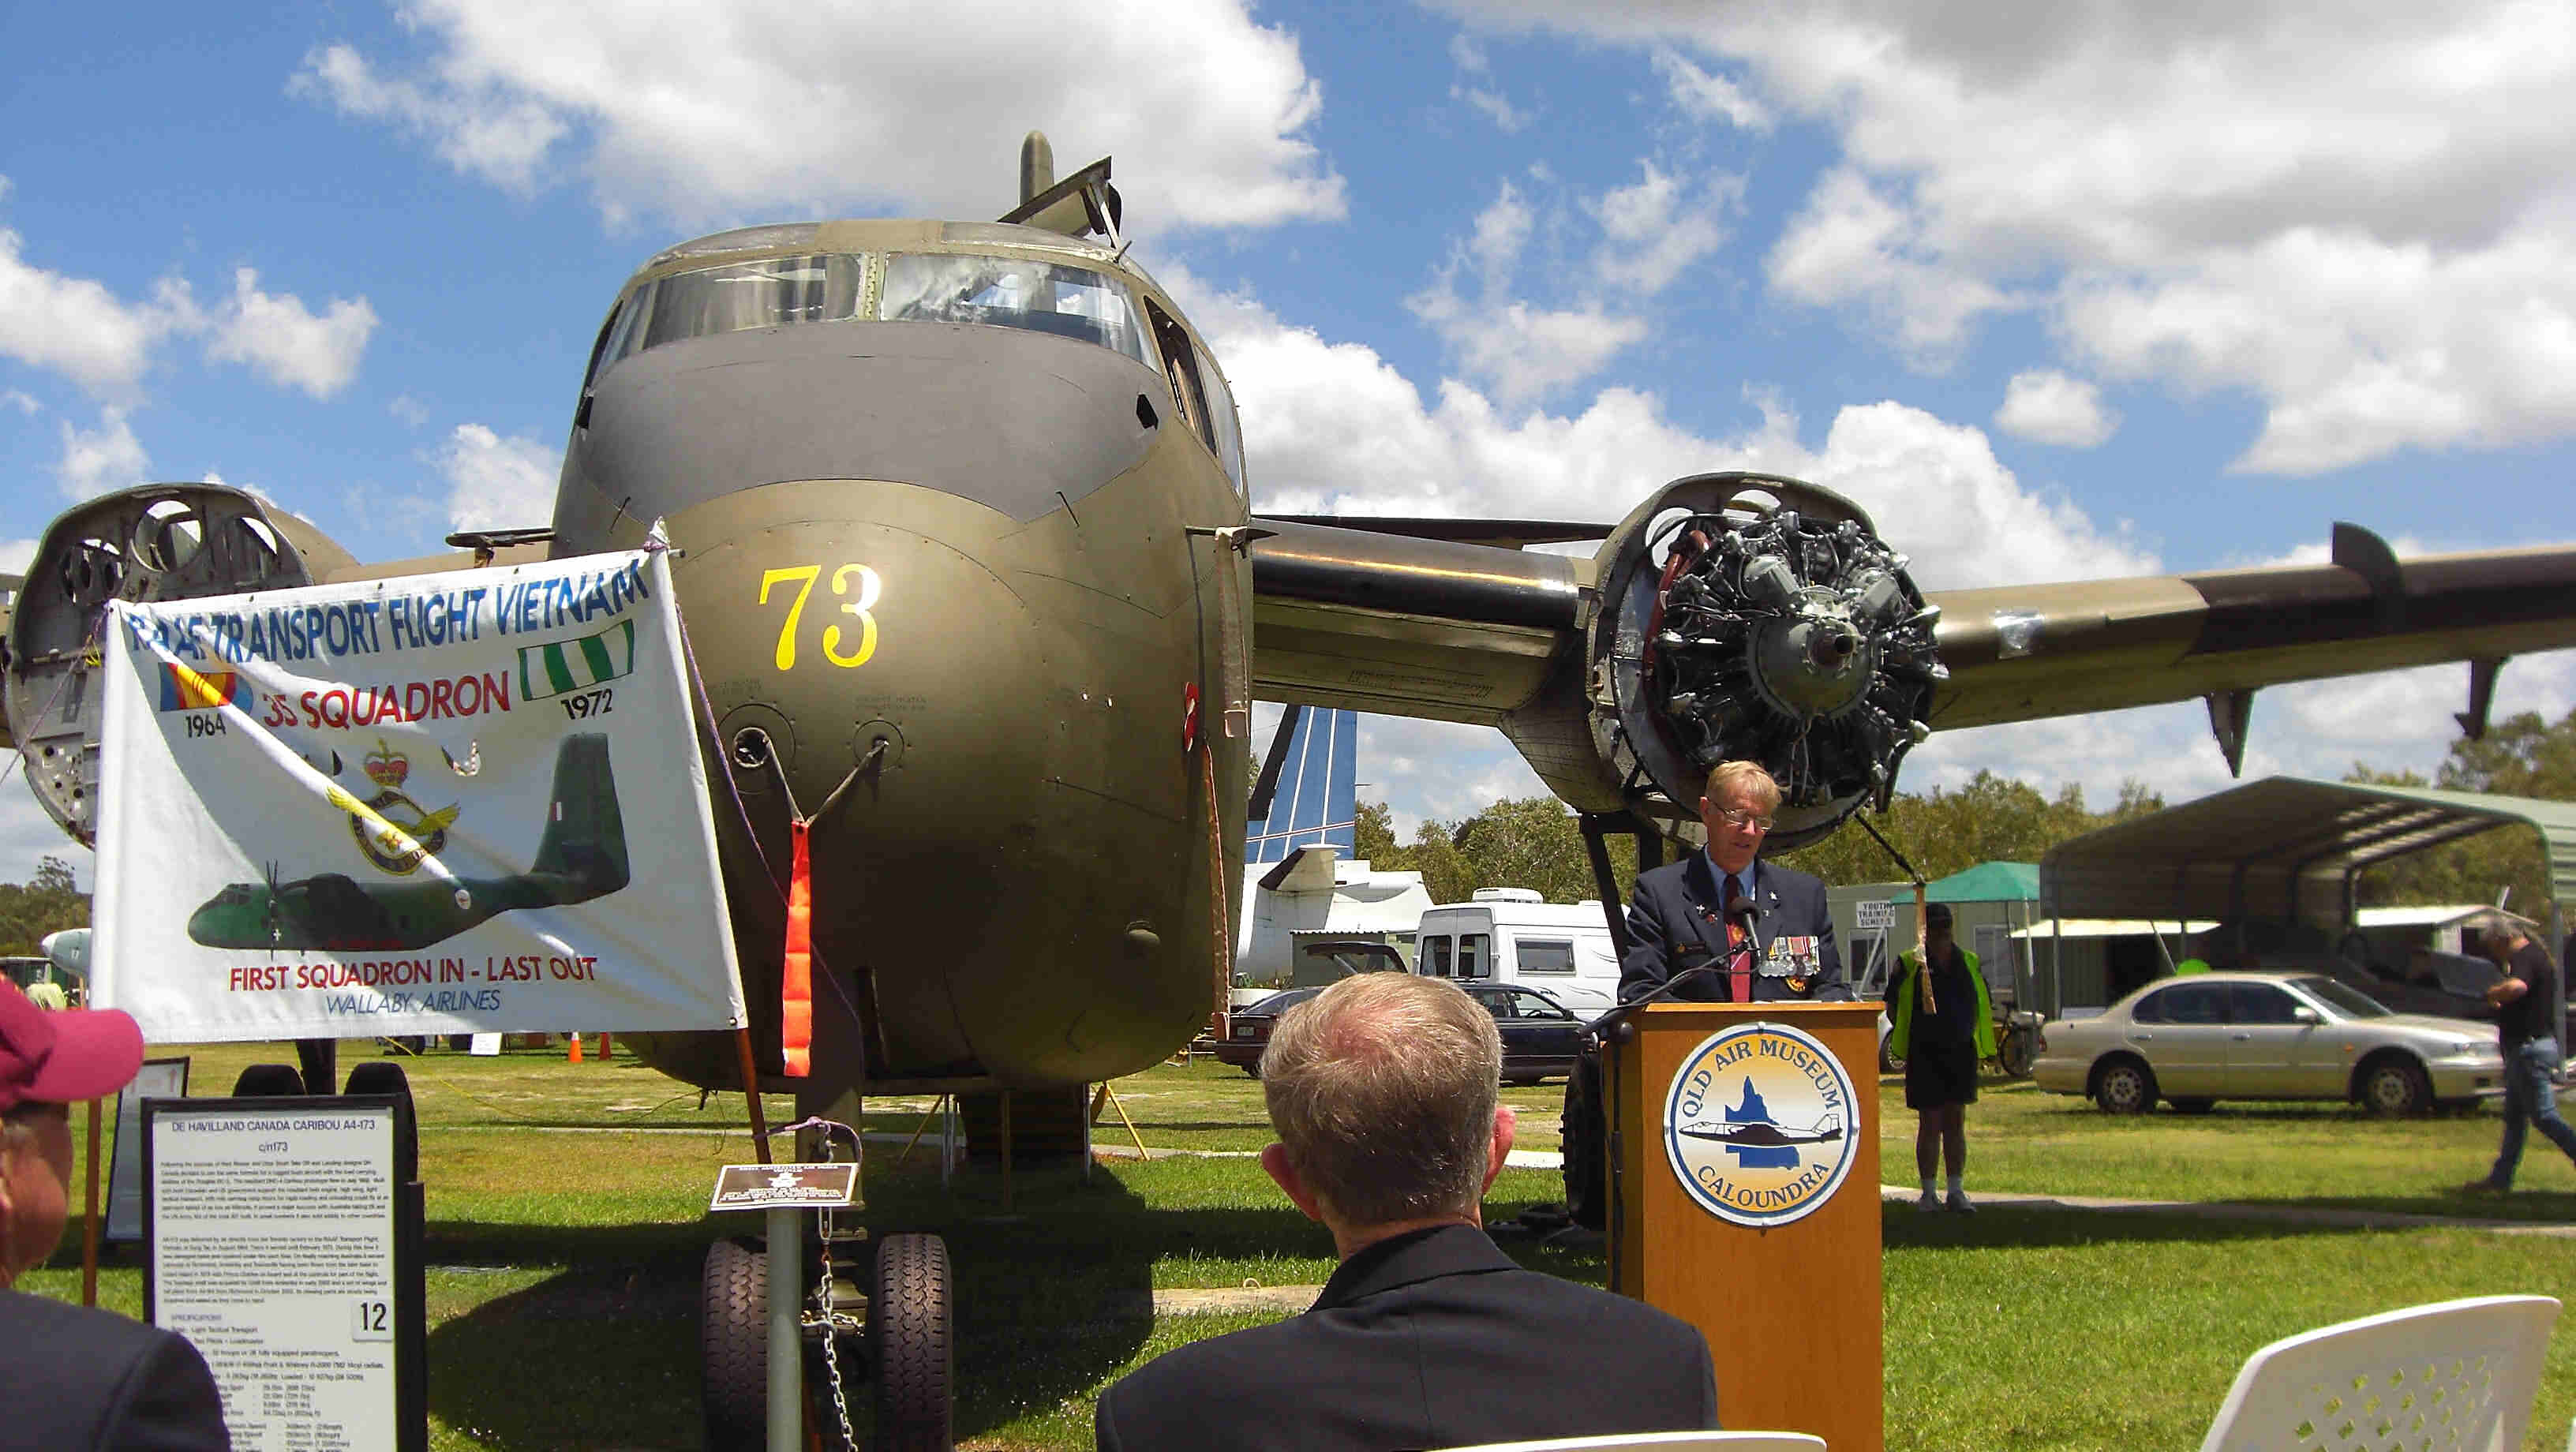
x,y
1739,963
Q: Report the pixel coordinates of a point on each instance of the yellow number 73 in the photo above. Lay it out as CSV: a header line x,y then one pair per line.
x,y
870,587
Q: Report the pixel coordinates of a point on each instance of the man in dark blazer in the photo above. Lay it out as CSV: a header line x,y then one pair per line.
x,y
1694,913
1382,1090
1780,945
79,1378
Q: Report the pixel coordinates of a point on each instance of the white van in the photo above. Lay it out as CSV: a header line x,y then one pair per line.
x,y
1509,935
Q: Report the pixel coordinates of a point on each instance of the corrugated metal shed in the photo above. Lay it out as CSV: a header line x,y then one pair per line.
x,y
2284,847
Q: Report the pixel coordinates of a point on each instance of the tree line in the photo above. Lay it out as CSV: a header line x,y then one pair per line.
x,y
47,902
1534,842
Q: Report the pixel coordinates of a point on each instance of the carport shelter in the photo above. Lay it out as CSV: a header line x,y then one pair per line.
x,y
2285,848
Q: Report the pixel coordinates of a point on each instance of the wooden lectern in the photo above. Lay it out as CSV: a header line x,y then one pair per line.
x,y
1790,1303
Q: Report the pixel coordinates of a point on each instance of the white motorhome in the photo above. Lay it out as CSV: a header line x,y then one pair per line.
x,y
1510,935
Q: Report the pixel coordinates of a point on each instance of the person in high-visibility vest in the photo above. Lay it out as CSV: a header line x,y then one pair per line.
x,y
1941,1041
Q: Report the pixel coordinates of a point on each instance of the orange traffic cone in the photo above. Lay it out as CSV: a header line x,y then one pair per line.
x,y
575,1056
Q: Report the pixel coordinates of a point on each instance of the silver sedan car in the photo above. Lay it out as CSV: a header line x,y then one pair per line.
x,y
2196,1040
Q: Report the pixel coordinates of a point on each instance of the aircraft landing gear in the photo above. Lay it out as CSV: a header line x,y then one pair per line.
x,y
906,1352
911,1330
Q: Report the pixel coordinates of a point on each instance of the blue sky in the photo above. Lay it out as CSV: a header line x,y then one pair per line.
x,y
2056,293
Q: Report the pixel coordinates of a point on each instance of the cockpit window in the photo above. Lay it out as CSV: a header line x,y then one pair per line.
x,y
1012,292
766,294
770,293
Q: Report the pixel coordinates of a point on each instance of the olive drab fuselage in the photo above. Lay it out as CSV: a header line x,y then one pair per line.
x,y
955,576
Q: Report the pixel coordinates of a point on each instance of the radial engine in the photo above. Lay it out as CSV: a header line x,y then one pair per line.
x,y
1747,616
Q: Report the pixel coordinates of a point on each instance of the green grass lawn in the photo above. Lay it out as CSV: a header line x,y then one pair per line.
x,y
564,1261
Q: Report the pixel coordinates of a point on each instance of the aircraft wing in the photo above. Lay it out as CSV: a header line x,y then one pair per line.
x,y
1560,651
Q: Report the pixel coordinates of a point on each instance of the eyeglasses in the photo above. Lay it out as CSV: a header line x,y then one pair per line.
x,y
1745,819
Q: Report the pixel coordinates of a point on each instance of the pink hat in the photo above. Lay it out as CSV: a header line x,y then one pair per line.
x,y
63,1056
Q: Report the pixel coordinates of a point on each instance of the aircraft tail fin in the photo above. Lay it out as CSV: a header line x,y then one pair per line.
x,y
585,837
1314,803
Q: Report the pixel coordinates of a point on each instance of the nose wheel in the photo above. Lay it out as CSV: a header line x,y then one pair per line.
x,y
906,1354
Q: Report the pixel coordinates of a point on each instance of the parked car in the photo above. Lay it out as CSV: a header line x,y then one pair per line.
x,y
1541,1036
1248,1029
2194,1041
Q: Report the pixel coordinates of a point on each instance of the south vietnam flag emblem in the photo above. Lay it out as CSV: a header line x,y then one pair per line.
x,y
183,689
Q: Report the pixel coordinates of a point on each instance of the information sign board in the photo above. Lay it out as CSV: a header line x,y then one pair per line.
x,y
1873,917
158,1079
275,1228
786,1187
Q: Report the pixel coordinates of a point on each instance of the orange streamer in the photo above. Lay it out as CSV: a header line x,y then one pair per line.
x,y
796,983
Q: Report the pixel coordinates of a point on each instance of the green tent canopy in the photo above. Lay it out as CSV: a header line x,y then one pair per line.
x,y
1985,882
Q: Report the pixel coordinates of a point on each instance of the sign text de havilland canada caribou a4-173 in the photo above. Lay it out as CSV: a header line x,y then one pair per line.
x,y
964,544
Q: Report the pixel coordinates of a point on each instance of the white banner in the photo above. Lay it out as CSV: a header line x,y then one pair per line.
x,y
456,803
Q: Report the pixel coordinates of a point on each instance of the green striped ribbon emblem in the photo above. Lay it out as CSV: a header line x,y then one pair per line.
x,y
574,665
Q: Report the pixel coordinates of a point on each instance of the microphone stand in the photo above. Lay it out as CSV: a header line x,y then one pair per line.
x,y
1613,1026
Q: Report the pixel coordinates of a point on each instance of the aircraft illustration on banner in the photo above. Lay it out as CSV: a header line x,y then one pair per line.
x,y
580,856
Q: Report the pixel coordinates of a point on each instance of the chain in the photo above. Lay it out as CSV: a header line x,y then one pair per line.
x,y
823,1313
832,1336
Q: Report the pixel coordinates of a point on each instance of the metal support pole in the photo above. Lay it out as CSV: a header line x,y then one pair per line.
x,y
786,1357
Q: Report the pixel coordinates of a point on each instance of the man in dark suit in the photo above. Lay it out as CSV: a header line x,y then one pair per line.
x,y
1382,1090
1710,908
81,1378
1764,931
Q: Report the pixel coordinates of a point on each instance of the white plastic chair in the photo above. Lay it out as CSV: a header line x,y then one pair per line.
x,y
2457,1376
1666,1442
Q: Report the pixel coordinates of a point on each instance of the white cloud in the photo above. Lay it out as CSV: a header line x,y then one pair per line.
x,y
1476,87
281,338
2360,215
1655,230
772,106
495,482
15,555
77,327
1334,427
97,460
1706,96
1850,243
23,402
1524,352
409,409
2047,407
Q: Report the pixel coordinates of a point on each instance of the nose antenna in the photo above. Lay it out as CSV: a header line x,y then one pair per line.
x,y
1037,166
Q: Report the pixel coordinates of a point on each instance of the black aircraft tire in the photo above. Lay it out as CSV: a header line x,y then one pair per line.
x,y
912,1320
259,1081
733,1346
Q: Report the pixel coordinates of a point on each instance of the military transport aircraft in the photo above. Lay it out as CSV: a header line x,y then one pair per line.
x,y
970,572
581,855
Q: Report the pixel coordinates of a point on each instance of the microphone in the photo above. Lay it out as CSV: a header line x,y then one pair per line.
x,y
1613,1026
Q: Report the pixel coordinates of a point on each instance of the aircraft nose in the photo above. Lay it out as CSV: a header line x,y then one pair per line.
x,y
885,643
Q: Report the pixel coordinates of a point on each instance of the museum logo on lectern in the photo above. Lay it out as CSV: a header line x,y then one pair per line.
x,y
1758,1124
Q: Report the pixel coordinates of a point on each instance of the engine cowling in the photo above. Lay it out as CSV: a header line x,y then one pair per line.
x,y
1749,616
151,542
